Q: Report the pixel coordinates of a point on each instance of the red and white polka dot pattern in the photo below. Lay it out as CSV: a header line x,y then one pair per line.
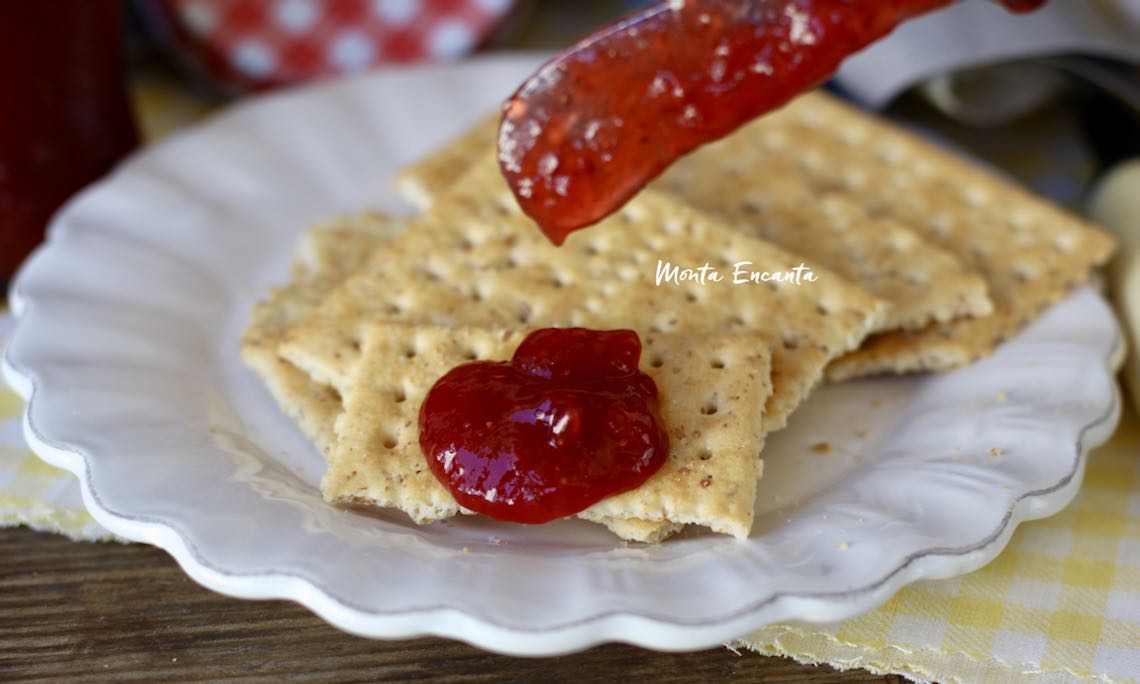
x,y
263,43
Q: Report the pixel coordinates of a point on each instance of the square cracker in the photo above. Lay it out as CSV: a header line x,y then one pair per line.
x,y
924,283
1030,252
327,254
476,259
325,257
715,432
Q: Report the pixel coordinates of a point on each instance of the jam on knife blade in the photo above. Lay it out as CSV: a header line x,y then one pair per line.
x,y
586,132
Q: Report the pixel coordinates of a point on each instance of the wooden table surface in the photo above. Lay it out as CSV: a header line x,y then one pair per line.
x,y
75,611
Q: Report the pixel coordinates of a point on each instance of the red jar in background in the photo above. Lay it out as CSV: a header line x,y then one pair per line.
x,y
65,115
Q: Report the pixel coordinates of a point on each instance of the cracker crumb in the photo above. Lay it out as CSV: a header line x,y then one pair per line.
x,y
821,448
842,546
995,452
1001,396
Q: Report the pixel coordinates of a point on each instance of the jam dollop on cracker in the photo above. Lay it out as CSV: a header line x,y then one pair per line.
x,y
567,422
586,132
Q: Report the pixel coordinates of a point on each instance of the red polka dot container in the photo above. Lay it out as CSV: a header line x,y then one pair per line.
x,y
257,44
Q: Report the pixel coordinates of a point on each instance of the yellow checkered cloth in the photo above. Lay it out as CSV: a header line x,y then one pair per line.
x,y
32,492
1061,603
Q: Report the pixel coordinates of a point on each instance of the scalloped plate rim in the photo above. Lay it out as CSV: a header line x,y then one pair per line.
x,y
671,635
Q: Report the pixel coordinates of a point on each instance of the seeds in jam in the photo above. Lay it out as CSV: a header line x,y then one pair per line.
x,y
568,421
585,133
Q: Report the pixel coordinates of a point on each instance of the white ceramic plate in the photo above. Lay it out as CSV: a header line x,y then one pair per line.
x,y
127,351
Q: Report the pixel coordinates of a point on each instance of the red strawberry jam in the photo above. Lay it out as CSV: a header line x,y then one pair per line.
x,y
594,125
568,421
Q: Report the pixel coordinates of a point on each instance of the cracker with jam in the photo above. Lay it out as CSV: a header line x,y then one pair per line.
x,y
920,262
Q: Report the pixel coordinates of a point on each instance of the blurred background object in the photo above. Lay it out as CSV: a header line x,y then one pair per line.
x,y
242,45
65,117
257,44
954,43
